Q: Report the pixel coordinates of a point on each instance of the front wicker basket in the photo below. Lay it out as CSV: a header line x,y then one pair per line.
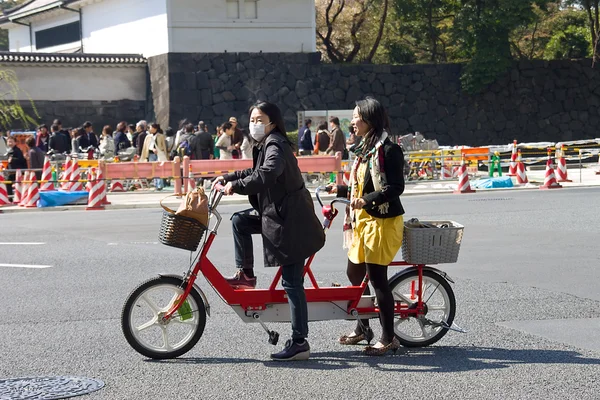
x,y
431,242
181,232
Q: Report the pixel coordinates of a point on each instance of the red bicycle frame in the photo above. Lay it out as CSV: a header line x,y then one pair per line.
x,y
252,300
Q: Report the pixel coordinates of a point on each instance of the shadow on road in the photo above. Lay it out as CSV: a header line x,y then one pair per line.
x,y
434,359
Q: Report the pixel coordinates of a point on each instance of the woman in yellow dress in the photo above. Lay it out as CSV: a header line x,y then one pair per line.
x,y
374,224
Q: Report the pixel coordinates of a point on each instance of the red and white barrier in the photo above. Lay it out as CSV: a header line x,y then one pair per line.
x,y
521,174
117,186
76,186
550,180
33,195
446,172
66,175
96,196
3,193
25,185
561,169
512,168
463,180
47,184
17,187
90,178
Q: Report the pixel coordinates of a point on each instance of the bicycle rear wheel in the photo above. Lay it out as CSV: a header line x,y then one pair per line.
x,y
142,324
440,307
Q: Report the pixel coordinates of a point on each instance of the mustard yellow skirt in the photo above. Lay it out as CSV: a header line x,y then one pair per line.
x,y
375,240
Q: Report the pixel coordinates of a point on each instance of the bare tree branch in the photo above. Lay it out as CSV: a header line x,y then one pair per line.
x,y
379,33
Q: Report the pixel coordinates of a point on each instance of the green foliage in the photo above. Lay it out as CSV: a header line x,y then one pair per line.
x,y
10,109
574,42
6,5
293,136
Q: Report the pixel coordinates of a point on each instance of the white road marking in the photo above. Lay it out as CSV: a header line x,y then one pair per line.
x,y
21,243
25,266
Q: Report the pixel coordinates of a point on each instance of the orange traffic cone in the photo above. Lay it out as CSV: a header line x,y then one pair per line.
x,y
521,174
47,184
512,168
561,169
3,193
550,179
66,175
96,196
463,180
17,187
33,195
25,189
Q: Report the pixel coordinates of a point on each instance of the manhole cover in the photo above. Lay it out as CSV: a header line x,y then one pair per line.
x,y
47,387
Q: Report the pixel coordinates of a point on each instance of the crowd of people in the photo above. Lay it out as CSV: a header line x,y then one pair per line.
x,y
326,141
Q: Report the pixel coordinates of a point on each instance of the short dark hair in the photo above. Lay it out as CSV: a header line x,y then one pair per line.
x,y
226,126
189,128
322,126
55,128
56,122
335,120
42,126
202,125
169,132
308,122
87,124
30,141
131,126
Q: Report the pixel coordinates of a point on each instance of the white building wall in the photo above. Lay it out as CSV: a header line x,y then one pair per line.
x,y
126,27
18,39
62,82
204,26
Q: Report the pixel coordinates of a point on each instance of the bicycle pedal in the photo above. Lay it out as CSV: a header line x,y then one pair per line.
x,y
273,338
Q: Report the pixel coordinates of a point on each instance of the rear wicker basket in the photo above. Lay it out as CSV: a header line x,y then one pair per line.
x,y
432,244
181,232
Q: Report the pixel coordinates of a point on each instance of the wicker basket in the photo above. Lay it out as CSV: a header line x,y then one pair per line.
x,y
181,232
425,242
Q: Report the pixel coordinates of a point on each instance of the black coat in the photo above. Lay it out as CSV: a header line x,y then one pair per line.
x,y
393,165
291,231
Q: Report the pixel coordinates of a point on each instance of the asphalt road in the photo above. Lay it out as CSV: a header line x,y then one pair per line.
x,y
526,287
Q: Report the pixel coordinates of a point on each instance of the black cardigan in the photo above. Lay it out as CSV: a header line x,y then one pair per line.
x,y
393,166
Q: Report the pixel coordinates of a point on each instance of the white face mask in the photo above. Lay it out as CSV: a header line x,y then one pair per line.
x,y
257,131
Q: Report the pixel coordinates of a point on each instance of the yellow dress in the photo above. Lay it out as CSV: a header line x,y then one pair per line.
x,y
375,240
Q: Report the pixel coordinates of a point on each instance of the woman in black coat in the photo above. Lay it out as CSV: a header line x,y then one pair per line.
x,y
282,212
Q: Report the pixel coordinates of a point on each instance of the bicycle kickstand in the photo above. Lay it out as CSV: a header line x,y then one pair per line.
x,y
364,328
273,336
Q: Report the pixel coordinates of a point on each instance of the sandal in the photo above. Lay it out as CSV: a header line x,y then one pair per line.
x,y
355,339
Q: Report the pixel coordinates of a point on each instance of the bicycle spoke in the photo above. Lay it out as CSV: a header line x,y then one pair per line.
x,y
405,299
436,308
151,304
422,328
166,339
147,325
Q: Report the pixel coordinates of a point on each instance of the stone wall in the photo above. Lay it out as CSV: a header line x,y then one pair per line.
x,y
75,113
535,101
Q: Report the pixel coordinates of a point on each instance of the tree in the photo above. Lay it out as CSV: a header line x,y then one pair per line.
x,y
426,25
10,108
592,10
351,30
482,29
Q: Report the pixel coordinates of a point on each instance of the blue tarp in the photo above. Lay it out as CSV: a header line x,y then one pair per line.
x,y
492,183
60,198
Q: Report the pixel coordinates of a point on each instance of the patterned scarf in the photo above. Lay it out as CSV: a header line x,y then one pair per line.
x,y
375,159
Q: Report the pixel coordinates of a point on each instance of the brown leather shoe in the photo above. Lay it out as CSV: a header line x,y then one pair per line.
x,y
241,281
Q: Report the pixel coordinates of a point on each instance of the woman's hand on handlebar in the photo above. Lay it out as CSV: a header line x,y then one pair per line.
x,y
331,188
218,180
357,204
218,184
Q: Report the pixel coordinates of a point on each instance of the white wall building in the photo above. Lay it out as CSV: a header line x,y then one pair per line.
x,y
153,27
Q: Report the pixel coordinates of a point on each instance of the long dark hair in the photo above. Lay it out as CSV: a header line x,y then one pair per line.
x,y
274,114
373,114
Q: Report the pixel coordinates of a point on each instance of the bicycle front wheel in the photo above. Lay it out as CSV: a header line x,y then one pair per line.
x,y
440,307
142,319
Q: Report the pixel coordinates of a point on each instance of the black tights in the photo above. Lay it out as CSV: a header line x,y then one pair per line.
x,y
385,299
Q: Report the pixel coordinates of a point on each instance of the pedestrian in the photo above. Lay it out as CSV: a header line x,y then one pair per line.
x,y
91,136
225,142
57,143
16,160
107,144
237,139
170,141
374,223
35,157
132,134
218,133
66,134
247,146
338,140
305,143
282,212
82,142
184,146
155,149
42,138
121,140
142,132
323,139
202,143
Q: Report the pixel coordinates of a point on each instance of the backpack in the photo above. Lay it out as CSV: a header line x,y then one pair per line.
x,y
184,148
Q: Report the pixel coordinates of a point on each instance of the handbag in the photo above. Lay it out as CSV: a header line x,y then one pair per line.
x,y
194,205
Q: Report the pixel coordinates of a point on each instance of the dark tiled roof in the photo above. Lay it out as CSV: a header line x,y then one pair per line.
x,y
31,6
71,58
